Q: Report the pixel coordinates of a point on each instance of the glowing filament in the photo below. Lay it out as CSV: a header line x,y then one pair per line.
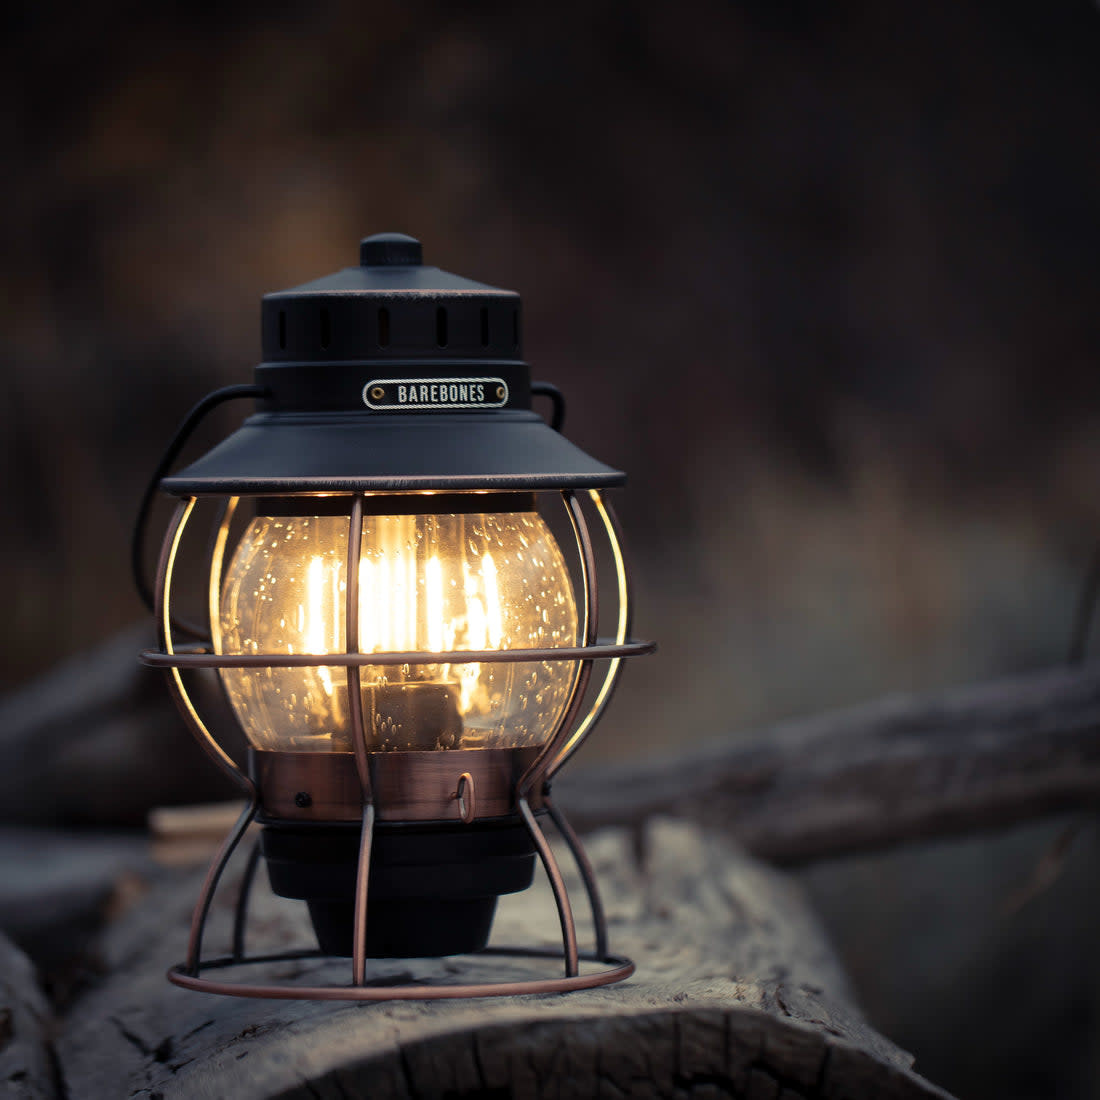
x,y
476,638
492,599
433,581
317,614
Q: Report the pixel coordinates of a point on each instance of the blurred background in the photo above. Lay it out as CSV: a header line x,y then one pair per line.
x,y
822,278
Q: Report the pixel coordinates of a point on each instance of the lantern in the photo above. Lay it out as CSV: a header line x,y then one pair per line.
x,y
404,641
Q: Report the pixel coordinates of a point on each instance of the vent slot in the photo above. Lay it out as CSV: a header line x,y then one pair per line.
x,y
282,330
326,329
484,326
441,327
515,329
383,328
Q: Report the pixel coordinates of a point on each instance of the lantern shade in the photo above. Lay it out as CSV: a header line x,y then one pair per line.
x,y
363,452
392,376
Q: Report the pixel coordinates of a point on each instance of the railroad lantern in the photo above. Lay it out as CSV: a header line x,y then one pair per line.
x,y
405,643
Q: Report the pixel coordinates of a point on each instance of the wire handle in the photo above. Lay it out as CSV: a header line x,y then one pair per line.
x,y
183,433
557,399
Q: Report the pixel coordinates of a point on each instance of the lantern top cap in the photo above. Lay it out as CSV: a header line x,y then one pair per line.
x,y
390,250
391,265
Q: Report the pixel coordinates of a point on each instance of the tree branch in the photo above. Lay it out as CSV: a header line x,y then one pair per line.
x,y
901,769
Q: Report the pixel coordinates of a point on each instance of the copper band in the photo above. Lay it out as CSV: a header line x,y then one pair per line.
x,y
408,786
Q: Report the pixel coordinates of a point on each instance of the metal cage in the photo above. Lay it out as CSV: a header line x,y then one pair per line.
x,y
526,799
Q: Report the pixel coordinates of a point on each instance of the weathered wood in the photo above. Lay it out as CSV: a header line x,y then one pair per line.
x,y
737,994
57,889
26,1071
97,740
186,836
901,769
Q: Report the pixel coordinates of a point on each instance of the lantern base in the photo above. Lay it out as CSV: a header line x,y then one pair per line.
x,y
421,928
432,891
600,967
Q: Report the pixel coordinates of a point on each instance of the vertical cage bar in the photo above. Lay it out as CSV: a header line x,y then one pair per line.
x,y
359,737
240,910
360,743
557,884
615,665
210,885
362,881
588,876
217,561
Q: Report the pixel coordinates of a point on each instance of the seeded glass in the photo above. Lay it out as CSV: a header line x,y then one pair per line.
x,y
437,584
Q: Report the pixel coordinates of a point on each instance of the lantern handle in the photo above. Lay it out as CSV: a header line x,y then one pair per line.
x,y
183,433
557,399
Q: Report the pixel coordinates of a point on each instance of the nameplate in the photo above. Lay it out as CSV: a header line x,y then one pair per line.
x,y
395,394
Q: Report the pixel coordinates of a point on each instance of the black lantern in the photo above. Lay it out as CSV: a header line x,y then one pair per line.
x,y
393,622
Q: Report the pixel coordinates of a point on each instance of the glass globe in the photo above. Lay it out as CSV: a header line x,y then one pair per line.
x,y
431,583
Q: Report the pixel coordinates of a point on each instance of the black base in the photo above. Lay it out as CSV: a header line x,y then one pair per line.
x,y
406,929
432,890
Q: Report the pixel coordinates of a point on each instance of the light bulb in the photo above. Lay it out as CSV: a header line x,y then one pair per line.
x,y
427,583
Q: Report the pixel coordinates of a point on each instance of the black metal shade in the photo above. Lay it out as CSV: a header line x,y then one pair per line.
x,y
392,376
348,452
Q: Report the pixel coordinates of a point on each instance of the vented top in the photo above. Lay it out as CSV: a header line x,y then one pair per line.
x,y
390,307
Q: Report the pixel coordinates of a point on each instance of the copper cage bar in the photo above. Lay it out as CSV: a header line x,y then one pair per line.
x,y
531,791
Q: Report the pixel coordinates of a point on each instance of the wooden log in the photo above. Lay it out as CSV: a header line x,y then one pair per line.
x,y
902,769
98,741
58,890
736,994
188,836
26,1067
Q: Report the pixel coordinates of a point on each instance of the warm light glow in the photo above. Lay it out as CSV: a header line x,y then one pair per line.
x,y
313,615
493,618
435,583
434,579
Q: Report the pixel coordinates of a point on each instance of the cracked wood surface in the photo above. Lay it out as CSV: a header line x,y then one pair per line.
x,y
737,994
900,769
26,1070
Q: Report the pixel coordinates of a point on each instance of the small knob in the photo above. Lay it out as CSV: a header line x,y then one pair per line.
x,y
464,793
390,250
